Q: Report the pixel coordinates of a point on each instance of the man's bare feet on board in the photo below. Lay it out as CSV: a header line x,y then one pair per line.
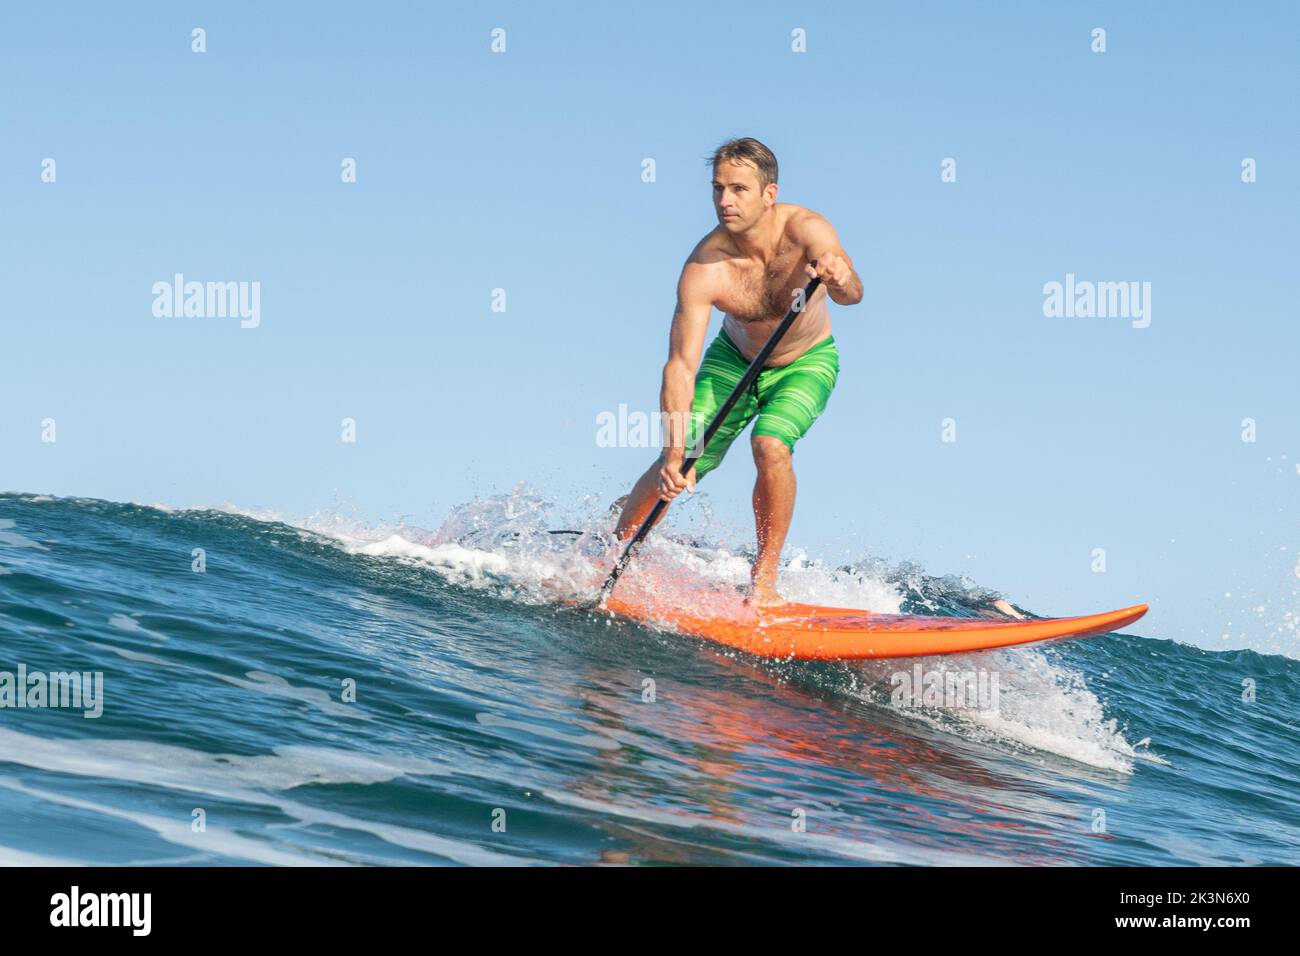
x,y
763,597
1007,609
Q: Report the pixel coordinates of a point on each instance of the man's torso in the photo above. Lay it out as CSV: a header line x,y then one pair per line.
x,y
755,298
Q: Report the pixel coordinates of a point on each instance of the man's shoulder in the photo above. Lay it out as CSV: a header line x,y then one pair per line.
x,y
701,279
710,249
799,221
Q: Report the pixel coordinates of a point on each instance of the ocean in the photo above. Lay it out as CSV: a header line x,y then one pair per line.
x,y
251,690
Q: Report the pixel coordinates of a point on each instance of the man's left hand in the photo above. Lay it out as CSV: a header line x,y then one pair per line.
x,y
832,270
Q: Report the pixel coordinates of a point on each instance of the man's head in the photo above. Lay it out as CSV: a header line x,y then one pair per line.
x,y
744,183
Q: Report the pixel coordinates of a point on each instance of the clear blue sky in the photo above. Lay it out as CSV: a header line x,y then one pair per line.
x,y
522,171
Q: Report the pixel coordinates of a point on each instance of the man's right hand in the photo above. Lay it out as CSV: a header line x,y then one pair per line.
x,y
671,480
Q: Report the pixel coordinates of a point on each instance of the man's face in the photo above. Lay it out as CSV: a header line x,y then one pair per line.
x,y
737,197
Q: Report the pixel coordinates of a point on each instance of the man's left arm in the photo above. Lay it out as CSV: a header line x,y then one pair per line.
x,y
833,264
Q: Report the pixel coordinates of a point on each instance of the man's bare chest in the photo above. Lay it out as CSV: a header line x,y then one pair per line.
x,y
755,293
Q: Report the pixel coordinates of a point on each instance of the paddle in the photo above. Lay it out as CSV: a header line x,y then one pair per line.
x,y
697,452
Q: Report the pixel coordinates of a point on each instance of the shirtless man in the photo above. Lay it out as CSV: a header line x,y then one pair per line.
x,y
750,267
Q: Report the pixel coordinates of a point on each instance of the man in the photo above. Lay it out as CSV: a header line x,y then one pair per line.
x,y
751,267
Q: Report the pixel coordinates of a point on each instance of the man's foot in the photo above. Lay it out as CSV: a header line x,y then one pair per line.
x,y
760,597
1007,609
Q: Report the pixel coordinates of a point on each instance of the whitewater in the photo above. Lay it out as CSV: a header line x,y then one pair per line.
x,y
324,691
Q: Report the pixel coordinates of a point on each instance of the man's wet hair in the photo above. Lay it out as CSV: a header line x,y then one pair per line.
x,y
747,150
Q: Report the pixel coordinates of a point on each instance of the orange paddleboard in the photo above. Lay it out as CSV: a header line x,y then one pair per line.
x,y
810,632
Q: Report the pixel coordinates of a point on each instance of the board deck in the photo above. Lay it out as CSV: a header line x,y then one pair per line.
x,y
812,632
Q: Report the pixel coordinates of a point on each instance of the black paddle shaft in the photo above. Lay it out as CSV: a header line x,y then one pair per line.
x,y
697,452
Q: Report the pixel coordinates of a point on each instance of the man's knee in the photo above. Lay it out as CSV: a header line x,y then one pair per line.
x,y
770,452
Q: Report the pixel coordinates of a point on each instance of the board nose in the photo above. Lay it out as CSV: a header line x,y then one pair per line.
x,y
1131,614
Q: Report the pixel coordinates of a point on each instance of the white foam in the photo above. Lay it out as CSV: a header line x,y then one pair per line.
x,y
1041,705
463,564
256,780
275,686
135,656
12,857
125,622
13,539
214,839
879,849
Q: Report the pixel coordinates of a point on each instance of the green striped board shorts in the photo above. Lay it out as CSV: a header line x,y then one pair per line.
x,y
785,400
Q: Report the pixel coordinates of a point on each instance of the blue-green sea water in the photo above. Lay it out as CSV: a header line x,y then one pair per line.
x,y
323,693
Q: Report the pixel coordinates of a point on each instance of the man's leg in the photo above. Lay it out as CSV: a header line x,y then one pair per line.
x,y
720,370
774,492
638,502
790,400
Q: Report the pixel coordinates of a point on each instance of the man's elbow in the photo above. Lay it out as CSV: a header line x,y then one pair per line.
x,y
859,290
675,368
853,297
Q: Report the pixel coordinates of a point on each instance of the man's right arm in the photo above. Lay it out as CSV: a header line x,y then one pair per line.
x,y
685,344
